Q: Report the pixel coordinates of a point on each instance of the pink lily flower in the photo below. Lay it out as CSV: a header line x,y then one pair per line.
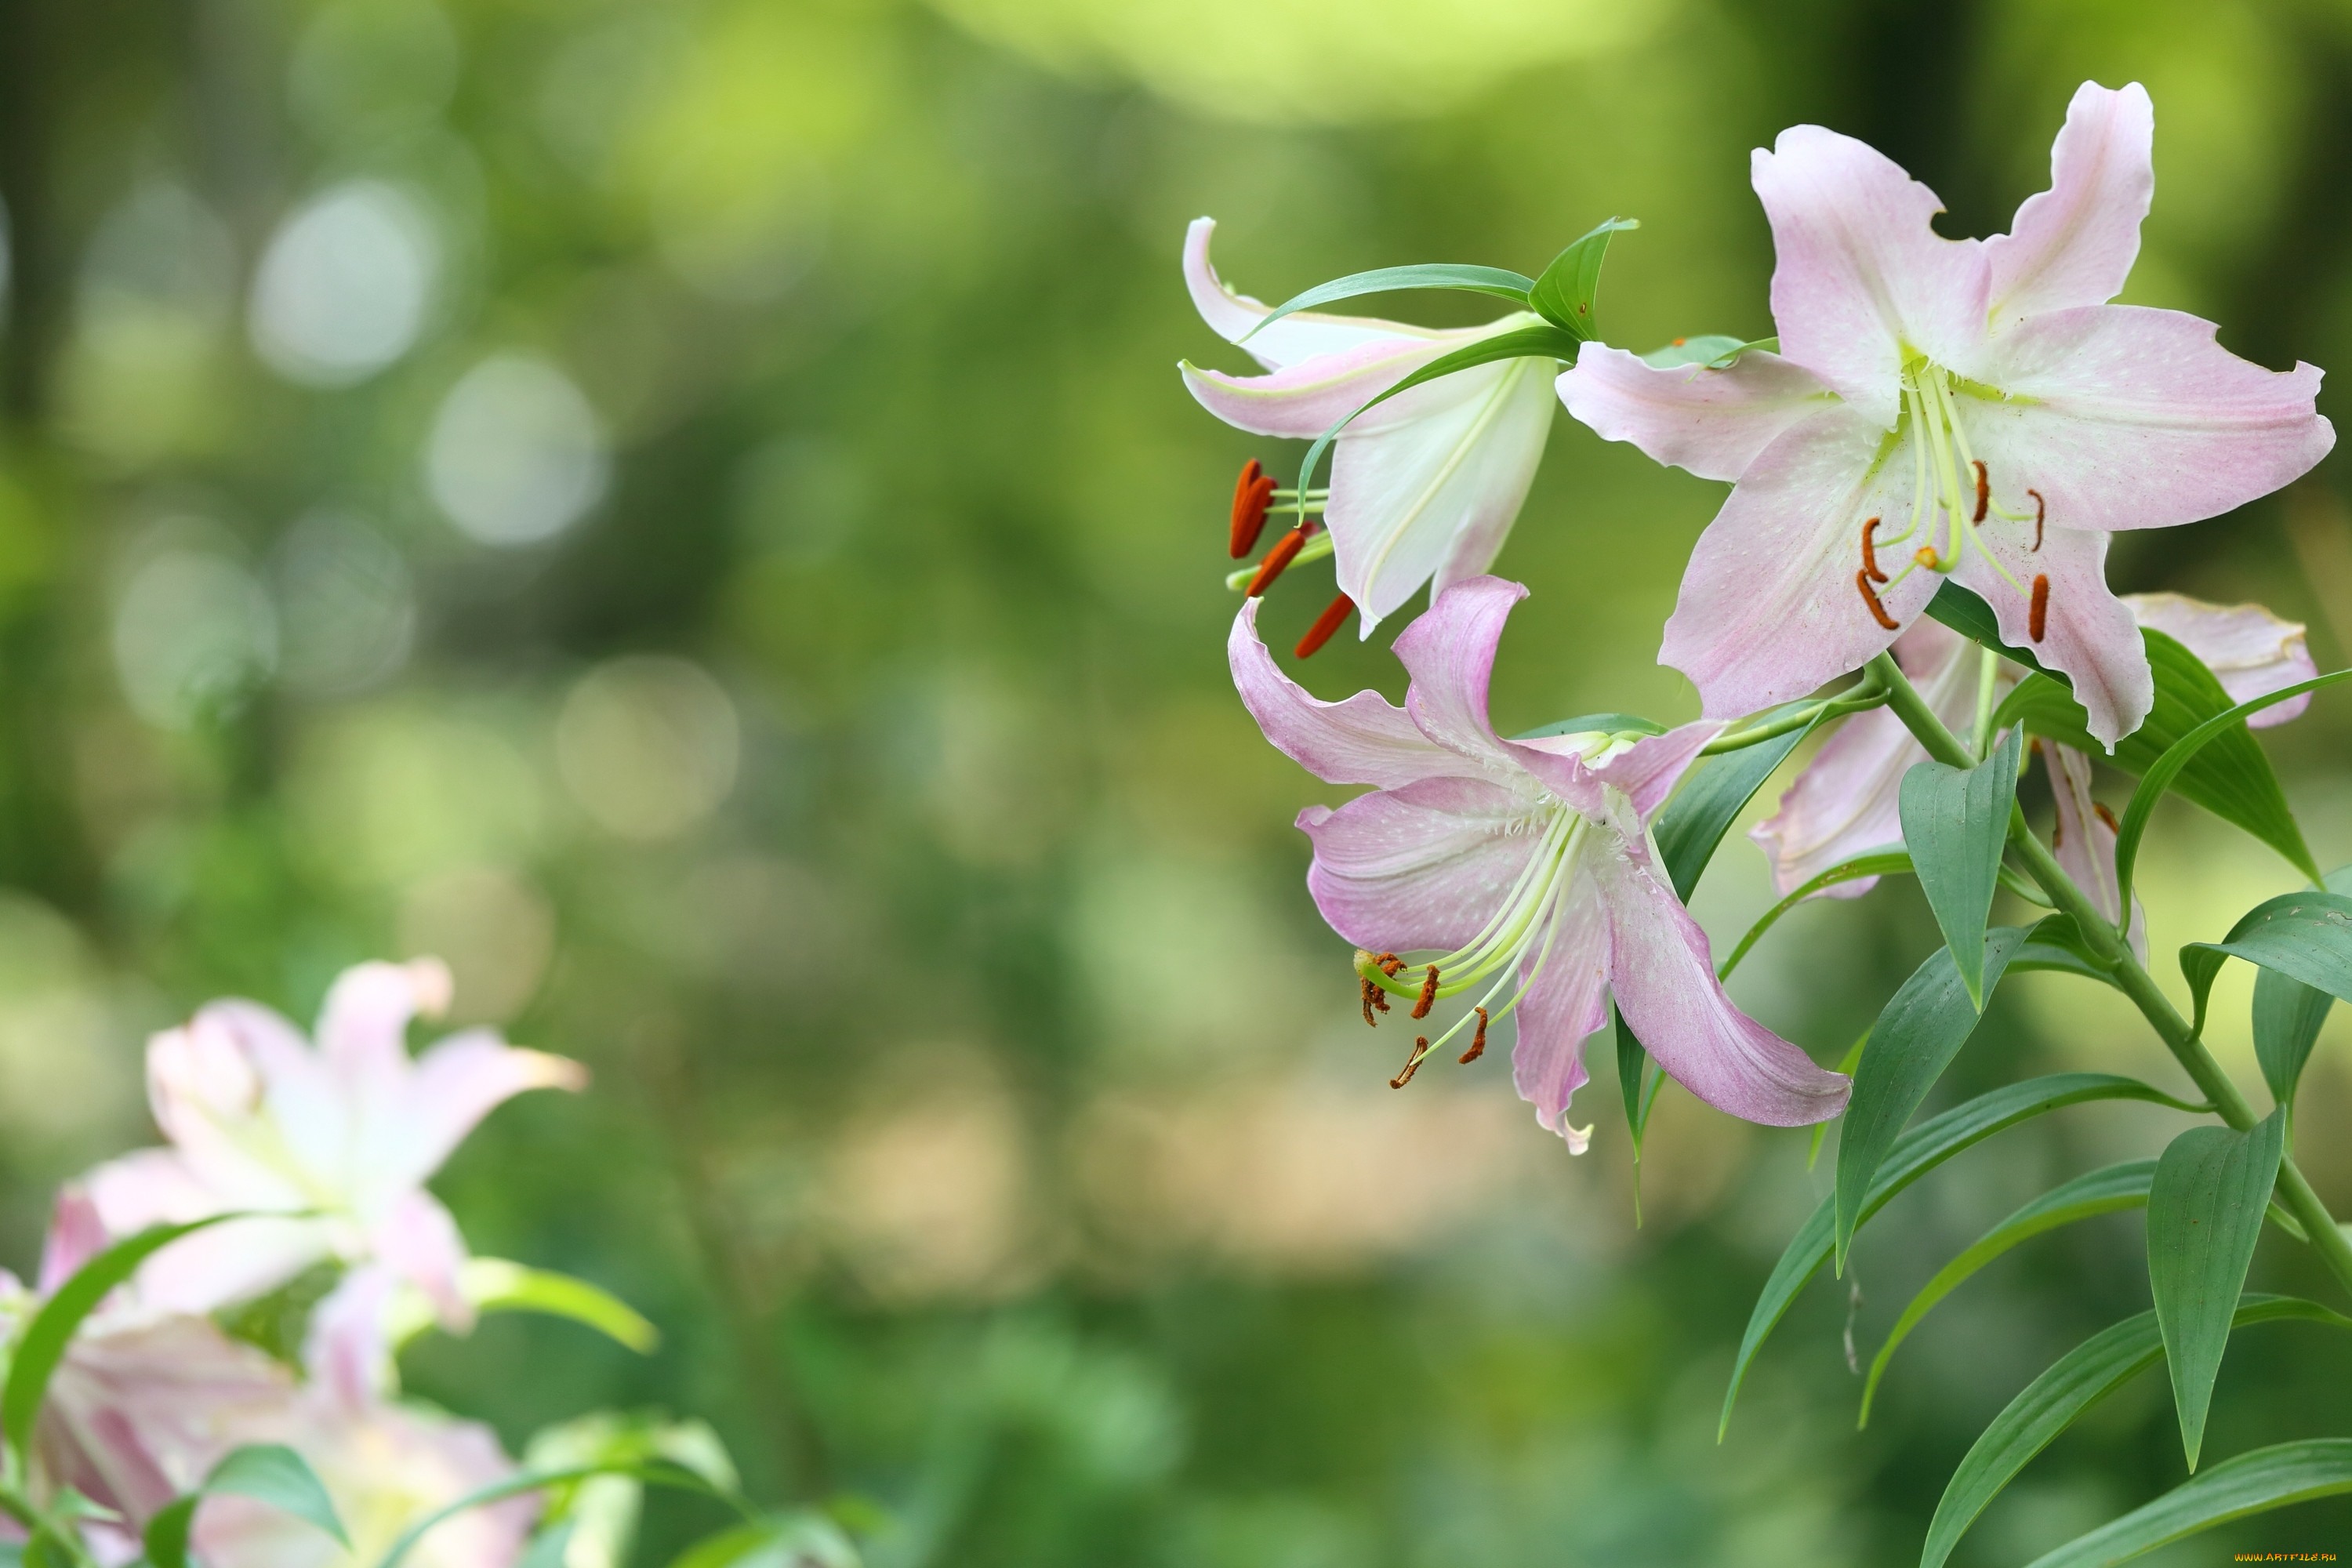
x,y
1847,800
1425,486
345,1136
1526,864
1940,407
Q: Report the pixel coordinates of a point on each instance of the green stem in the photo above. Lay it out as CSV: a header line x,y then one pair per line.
x,y
2333,1247
1866,695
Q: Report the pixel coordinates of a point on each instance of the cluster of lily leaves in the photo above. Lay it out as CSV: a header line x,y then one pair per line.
x,y
2207,1195
279,1477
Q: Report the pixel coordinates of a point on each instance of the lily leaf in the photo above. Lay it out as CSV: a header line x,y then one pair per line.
x,y
496,1285
2102,1191
2307,936
2251,1483
266,1472
1969,616
2288,1015
1916,1153
1711,795
1955,824
2049,1404
2204,1215
652,1472
1565,294
790,1541
1497,281
1919,1031
2055,942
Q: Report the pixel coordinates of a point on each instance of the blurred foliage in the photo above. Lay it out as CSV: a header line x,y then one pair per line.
x,y
684,508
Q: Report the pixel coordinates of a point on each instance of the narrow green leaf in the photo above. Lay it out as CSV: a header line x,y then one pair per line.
x,y
1916,1153
2102,1191
1596,724
1542,341
2288,1015
1919,1031
1632,1059
1712,794
52,1329
2056,942
2049,1404
652,1472
1955,824
2250,798
2204,1215
497,1285
1882,863
1566,293
2305,936
1846,1064
549,1547
2251,1483
1497,281
270,1473
793,1540
1969,616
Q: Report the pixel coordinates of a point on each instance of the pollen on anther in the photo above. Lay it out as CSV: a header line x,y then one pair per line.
x,y
1877,610
1371,997
1388,963
1477,1041
1252,495
1412,1063
1870,551
2037,615
1285,550
1984,490
1428,995
2040,512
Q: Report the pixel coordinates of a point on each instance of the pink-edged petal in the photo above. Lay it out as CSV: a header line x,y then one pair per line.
x,y
1304,400
363,1025
348,1350
231,1262
457,1083
2249,649
1662,977
2124,417
2074,243
1449,652
1769,609
2085,843
1862,280
2088,634
1362,741
1563,1006
1847,801
1711,422
1299,336
419,1241
1579,768
1420,869
77,1233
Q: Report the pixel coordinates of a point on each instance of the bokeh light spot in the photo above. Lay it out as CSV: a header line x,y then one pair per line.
x,y
515,456
344,288
648,745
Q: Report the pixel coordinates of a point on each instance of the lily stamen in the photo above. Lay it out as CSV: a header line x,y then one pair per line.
x,y
1878,610
1412,1063
1428,995
2038,613
1478,1041
1870,552
1285,550
1253,493
1333,617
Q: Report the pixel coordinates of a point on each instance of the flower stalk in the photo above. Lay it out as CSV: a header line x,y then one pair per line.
x,y
2131,976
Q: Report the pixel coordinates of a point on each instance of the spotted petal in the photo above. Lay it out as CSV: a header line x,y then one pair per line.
x,y
2088,634
1565,1004
1711,422
1449,651
2074,243
2083,841
1421,868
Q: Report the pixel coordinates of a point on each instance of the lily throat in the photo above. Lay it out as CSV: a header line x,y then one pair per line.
x,y
1953,502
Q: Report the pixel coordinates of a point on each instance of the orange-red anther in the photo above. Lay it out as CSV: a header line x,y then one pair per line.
x,y
1325,623
1870,552
1477,1041
1388,963
1371,991
1984,490
1252,494
1412,1063
1428,995
2037,617
2039,512
1862,581
1285,550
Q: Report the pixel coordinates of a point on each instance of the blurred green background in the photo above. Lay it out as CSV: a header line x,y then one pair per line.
x,y
685,508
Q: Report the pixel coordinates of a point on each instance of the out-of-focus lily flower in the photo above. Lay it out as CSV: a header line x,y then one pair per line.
x,y
1425,486
1846,802
1939,408
1527,864
343,1136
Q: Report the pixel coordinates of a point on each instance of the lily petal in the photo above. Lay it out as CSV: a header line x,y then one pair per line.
x,y
1299,336
2074,243
1767,609
457,1082
1863,277
2250,650
1362,741
1847,801
2089,633
1449,651
1302,401
1561,1011
1713,422
2125,418
1662,976
1417,868
2085,843
1647,771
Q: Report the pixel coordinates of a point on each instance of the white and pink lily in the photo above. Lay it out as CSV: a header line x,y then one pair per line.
x,y
1941,408
1527,865
1425,486
339,1138
1846,802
